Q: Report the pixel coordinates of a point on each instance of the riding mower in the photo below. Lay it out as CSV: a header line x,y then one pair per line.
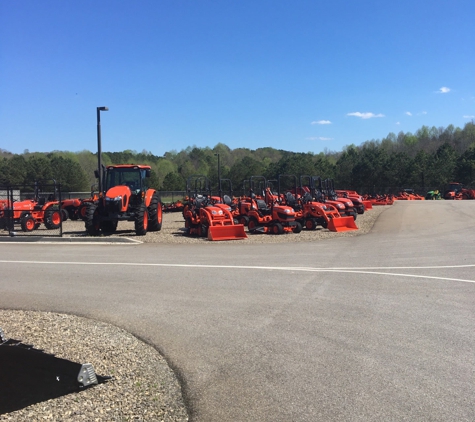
x,y
433,195
208,216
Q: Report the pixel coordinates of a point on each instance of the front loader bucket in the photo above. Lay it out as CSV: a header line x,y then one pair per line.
x,y
342,224
231,232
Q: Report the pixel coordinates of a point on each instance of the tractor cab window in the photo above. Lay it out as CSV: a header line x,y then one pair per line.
x,y
125,177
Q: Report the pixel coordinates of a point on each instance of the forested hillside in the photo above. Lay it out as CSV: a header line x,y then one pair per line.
x,y
432,157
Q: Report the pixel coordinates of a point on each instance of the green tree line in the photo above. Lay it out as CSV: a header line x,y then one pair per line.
x,y
431,157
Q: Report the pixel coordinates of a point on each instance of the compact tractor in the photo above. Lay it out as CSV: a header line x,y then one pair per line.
x,y
266,214
31,213
311,213
75,208
457,191
124,196
331,197
209,216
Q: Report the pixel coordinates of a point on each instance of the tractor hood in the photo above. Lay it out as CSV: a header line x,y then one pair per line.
x,y
118,191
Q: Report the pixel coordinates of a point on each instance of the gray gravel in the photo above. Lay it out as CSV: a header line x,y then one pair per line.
x,y
143,387
173,231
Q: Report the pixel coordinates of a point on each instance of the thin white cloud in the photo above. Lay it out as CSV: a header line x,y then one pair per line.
x,y
365,115
398,123
408,113
318,138
468,117
321,122
443,90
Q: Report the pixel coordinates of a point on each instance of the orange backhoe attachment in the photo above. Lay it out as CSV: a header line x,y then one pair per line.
x,y
342,224
229,232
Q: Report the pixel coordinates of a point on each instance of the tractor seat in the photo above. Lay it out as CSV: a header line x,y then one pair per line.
x,y
262,207
40,203
290,199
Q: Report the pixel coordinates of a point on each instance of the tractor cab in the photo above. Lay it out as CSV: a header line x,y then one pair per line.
x,y
135,177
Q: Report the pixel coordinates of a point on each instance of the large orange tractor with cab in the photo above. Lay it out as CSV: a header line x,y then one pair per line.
x,y
209,216
124,195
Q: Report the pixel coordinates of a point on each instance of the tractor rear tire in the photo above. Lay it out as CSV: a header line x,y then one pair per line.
x,y
82,211
297,228
141,220
52,219
155,214
244,220
91,220
310,224
28,223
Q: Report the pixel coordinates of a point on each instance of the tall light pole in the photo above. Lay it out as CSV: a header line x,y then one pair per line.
x,y
99,148
219,177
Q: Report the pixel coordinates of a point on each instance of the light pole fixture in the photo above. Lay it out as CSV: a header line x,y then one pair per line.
x,y
99,149
219,176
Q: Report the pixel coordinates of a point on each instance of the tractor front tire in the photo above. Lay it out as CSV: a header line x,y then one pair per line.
x,y
28,223
155,214
277,228
252,225
91,220
109,226
52,219
141,220
64,214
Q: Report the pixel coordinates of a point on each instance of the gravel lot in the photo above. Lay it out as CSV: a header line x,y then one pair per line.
x,y
174,225
143,387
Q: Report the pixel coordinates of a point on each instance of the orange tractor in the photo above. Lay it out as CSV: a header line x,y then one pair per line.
x,y
75,208
31,213
124,196
266,214
457,191
332,198
209,216
310,212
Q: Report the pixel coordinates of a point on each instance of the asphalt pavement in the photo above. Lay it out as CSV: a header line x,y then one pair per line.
x,y
366,328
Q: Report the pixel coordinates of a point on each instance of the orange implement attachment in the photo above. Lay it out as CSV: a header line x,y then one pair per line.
x,y
342,224
229,232
368,205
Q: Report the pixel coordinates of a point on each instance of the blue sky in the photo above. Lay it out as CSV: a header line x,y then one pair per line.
x,y
298,75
